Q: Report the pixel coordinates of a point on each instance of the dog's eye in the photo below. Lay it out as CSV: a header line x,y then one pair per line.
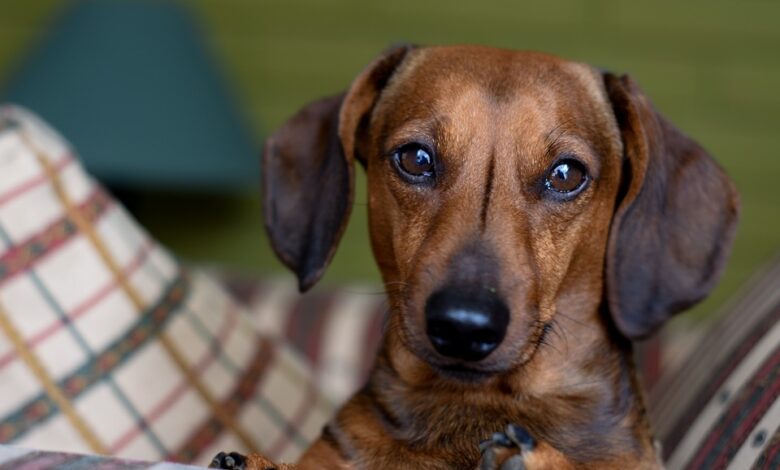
x,y
415,161
567,177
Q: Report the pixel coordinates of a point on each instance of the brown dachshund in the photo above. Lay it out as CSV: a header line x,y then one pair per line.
x,y
530,217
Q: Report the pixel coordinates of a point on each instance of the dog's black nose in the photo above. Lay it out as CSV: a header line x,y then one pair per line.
x,y
464,324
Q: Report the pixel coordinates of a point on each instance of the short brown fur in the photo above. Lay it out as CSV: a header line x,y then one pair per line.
x,y
576,274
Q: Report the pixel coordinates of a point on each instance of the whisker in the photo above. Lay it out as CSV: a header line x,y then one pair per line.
x,y
543,338
570,318
560,332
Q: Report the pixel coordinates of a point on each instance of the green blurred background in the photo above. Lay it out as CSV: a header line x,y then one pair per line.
x,y
712,67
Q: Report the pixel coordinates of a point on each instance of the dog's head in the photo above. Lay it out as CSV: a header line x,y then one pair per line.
x,y
506,189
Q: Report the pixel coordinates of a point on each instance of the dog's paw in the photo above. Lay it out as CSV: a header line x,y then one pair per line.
x,y
228,461
236,461
506,450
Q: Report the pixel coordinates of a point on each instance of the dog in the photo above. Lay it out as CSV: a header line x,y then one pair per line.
x,y
530,217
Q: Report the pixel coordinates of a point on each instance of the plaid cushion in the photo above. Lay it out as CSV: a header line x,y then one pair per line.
x,y
721,408
108,346
338,330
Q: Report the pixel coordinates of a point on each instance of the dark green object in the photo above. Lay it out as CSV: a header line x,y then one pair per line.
x,y
132,86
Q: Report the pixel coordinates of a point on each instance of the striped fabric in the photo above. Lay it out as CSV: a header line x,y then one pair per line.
x,y
18,458
721,408
107,346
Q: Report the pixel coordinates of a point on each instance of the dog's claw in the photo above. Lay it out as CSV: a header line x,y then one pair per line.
x,y
520,437
514,440
484,445
216,462
514,462
489,457
231,461
502,439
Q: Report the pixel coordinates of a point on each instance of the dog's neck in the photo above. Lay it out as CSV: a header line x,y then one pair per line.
x,y
581,395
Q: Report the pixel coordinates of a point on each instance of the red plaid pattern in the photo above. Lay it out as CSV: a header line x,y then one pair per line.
x,y
339,331
152,362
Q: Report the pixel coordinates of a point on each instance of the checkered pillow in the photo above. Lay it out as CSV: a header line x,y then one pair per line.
x,y
108,346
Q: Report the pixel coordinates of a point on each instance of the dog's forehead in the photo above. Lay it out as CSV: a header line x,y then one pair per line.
x,y
441,79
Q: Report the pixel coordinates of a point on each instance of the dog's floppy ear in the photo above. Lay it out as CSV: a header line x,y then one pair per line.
x,y
674,222
308,172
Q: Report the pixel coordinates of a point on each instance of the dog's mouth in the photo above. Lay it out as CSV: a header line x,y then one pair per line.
x,y
464,373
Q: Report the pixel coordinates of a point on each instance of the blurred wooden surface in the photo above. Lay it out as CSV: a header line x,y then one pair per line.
x,y
713,68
